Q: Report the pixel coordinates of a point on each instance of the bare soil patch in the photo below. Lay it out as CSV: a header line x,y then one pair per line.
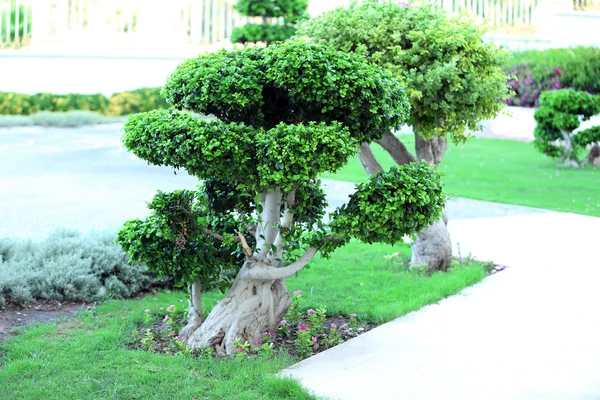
x,y
13,316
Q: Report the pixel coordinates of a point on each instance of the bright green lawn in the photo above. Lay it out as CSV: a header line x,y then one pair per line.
x,y
87,358
505,171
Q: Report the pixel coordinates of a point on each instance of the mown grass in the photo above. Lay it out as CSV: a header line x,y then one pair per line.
x,y
504,171
87,357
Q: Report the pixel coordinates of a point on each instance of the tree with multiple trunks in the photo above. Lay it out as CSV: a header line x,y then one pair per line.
x,y
279,19
452,78
282,115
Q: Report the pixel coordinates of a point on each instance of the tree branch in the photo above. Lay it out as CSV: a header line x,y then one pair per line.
x,y
247,248
368,161
396,149
213,234
268,273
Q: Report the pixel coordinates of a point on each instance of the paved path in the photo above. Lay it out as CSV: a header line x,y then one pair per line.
x,y
83,179
529,332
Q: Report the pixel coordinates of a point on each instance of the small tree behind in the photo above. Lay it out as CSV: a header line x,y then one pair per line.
x,y
284,115
453,81
279,20
559,115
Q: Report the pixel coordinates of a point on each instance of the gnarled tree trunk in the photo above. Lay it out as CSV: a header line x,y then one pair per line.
x,y
251,308
258,298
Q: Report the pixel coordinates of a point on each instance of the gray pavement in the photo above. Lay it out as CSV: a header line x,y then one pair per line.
x,y
529,332
84,179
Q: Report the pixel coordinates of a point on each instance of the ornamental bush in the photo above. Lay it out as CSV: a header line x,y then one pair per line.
x,y
69,266
534,71
284,115
558,117
279,20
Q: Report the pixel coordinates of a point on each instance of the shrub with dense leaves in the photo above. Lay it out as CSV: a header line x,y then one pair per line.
x,y
453,79
534,71
69,266
279,20
122,103
284,115
558,117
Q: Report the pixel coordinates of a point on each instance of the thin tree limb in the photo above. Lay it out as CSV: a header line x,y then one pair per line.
x,y
396,149
272,273
368,161
245,244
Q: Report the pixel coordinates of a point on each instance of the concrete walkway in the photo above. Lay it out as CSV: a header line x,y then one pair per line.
x,y
529,332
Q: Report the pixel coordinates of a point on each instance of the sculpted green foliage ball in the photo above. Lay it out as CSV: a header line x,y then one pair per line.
x,y
393,204
453,79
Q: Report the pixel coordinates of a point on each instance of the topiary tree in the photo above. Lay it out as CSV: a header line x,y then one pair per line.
x,y
453,81
559,115
279,20
284,115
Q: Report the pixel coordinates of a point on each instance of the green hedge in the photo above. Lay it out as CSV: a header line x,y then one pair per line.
x,y
536,71
122,103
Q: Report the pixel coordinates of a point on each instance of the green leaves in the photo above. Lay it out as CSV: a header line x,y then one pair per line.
x,y
399,202
560,113
273,30
453,80
298,153
171,241
285,114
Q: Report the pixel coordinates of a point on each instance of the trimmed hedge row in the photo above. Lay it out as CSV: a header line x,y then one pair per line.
x,y
536,71
121,103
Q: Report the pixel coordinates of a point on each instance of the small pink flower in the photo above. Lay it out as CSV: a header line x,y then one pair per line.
x,y
170,308
297,292
333,326
239,351
259,342
311,311
271,335
314,339
283,322
353,315
172,334
147,310
166,318
302,328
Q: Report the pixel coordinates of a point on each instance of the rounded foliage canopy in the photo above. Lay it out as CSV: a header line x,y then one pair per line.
x,y
285,114
452,78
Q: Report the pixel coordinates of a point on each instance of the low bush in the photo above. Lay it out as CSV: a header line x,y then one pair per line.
x,y
122,103
69,266
535,71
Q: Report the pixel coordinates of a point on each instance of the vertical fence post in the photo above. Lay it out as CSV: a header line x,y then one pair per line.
x,y
207,20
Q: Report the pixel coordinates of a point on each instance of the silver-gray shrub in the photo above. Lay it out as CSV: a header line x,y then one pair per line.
x,y
68,265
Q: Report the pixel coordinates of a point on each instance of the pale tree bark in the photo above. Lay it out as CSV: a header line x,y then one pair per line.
x,y
433,246
569,158
195,314
258,298
368,161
